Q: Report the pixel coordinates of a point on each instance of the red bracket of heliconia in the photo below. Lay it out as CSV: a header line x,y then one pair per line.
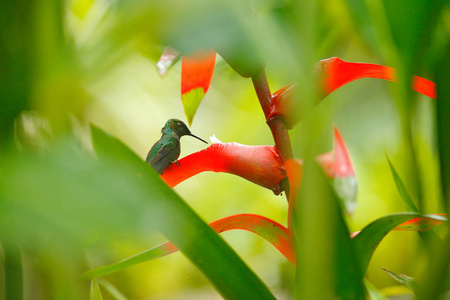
x,y
259,164
332,73
196,74
335,73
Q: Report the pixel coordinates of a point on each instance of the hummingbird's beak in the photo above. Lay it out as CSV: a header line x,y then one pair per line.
x,y
193,135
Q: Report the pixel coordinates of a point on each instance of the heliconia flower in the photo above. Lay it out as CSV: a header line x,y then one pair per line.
x,y
259,164
332,73
196,74
335,73
276,234
337,163
338,167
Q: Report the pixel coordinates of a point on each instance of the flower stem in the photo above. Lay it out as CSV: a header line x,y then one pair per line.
x,y
276,125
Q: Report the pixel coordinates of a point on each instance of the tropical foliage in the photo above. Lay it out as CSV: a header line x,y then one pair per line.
x,y
81,104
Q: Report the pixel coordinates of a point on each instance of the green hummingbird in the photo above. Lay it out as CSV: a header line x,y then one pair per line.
x,y
167,149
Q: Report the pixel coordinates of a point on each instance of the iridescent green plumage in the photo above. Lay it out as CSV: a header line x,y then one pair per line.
x,y
167,149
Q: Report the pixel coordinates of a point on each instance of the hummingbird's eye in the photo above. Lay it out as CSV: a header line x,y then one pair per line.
x,y
179,123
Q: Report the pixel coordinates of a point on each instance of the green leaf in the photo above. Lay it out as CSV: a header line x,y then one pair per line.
x,y
361,17
273,232
95,293
155,252
179,223
401,187
411,24
374,293
368,239
438,267
322,242
409,282
112,290
443,123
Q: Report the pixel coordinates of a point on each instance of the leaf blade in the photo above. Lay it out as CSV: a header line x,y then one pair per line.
x,y
409,282
179,223
367,240
401,187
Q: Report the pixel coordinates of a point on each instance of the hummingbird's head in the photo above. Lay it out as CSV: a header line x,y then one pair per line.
x,y
179,128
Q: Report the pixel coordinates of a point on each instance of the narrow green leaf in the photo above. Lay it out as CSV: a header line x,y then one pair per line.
x,y
401,187
368,239
95,293
184,228
443,124
112,290
155,252
409,282
374,293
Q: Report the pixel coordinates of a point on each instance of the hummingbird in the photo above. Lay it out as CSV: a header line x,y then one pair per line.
x,y
167,149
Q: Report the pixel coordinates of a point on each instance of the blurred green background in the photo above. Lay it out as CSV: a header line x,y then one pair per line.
x,y
68,64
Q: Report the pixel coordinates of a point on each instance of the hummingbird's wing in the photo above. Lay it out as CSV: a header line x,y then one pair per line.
x,y
163,153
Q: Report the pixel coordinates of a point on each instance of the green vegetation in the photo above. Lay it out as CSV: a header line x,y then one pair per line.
x,y
81,103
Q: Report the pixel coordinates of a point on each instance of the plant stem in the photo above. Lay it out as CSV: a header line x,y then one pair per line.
x,y
12,272
276,125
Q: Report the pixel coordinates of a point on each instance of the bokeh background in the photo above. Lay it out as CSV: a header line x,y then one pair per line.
x,y
79,62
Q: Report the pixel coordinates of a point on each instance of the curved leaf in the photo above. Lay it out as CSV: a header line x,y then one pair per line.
x,y
111,289
279,236
367,240
401,187
178,222
95,293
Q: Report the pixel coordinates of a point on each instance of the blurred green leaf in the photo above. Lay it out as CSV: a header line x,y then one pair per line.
x,y
367,240
229,27
363,24
440,259
443,123
401,187
155,252
15,63
95,293
176,220
323,242
411,25
112,290
374,293
409,282
278,235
